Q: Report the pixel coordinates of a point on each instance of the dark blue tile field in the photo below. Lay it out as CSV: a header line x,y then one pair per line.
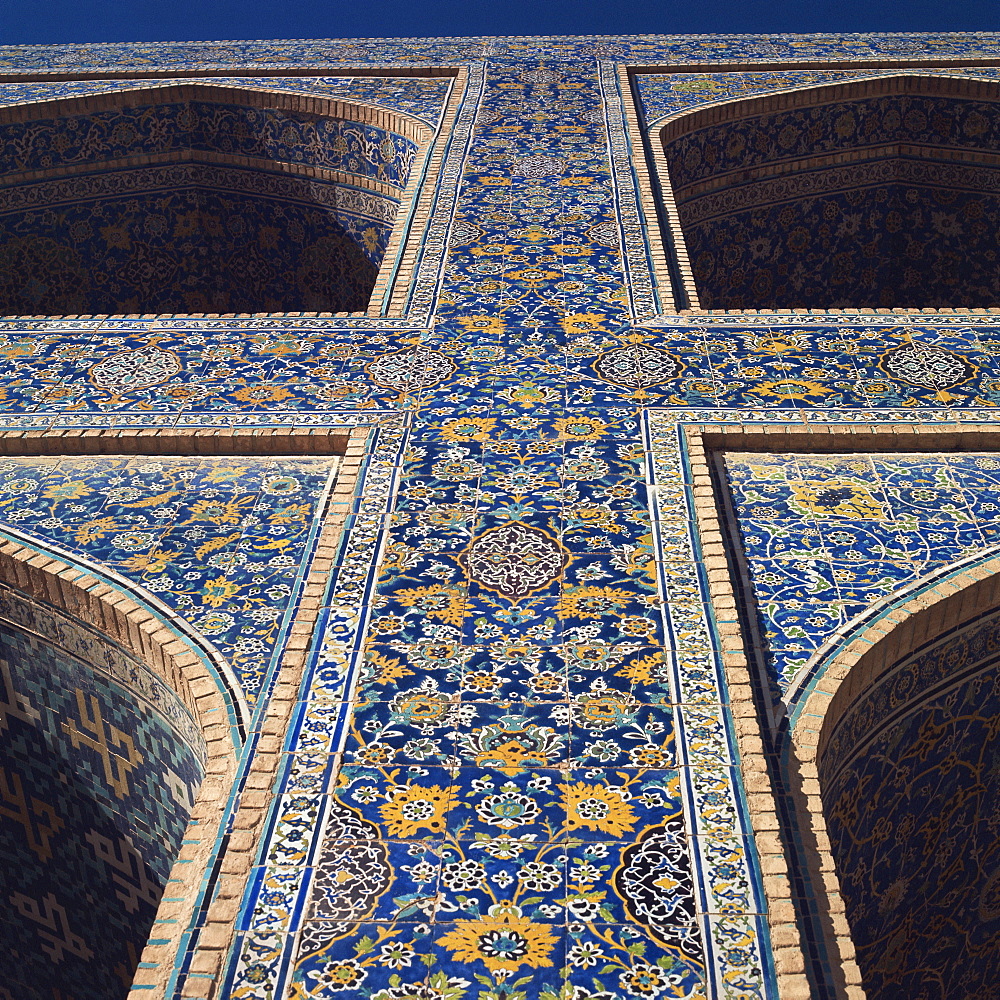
x,y
911,763
100,769
512,771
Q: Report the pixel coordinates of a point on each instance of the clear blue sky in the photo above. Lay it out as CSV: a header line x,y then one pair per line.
x,y
33,21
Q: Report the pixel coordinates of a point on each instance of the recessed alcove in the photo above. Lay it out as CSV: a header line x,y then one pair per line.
x,y
100,765
194,198
880,193
910,785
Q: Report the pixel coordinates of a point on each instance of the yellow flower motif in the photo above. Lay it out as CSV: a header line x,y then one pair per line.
x,y
597,807
776,343
650,756
578,323
262,394
225,472
792,389
217,592
533,276
67,491
528,394
510,757
414,808
467,428
277,345
446,515
398,558
386,669
592,602
603,708
117,237
616,296
293,513
221,512
580,428
503,940
592,517
636,625
91,531
482,324
150,562
572,249
646,670
422,708
447,604
838,498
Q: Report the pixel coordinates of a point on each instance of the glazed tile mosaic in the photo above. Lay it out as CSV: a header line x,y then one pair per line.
x,y
825,536
491,740
96,785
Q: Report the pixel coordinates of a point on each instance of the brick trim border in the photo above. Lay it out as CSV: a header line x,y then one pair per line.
x,y
815,94
181,665
782,910
409,235
651,201
216,937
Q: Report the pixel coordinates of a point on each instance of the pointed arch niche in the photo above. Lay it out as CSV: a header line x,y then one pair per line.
x,y
879,193
204,198
874,785
897,748
134,780
118,741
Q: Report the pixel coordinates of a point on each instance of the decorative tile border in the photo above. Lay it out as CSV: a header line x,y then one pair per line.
x,y
277,818
678,50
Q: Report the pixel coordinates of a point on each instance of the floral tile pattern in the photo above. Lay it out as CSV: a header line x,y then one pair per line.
x,y
826,536
511,774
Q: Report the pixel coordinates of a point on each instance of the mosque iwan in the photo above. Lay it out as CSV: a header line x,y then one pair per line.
x,y
501,519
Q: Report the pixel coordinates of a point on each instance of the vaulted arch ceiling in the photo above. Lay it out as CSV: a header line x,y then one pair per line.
x,y
875,193
193,198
